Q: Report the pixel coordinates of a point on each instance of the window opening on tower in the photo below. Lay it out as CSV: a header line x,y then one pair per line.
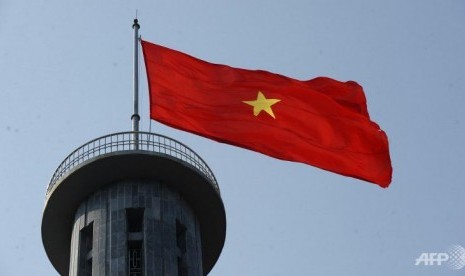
x,y
135,221
86,237
182,248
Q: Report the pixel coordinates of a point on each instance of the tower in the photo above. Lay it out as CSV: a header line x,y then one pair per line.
x,y
133,203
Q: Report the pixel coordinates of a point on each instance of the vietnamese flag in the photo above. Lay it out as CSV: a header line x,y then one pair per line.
x,y
321,122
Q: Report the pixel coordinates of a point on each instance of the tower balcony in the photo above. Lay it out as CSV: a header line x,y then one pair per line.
x,y
130,142
137,157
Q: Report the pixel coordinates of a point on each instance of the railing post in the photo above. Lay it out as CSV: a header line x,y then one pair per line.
x,y
135,140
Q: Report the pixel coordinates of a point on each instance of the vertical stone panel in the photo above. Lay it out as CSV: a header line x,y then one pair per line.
x,y
158,249
101,235
199,246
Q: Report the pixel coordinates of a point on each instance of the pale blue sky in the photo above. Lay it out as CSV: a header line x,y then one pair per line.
x,y
65,78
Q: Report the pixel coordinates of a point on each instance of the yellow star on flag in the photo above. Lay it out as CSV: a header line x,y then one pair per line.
x,y
262,103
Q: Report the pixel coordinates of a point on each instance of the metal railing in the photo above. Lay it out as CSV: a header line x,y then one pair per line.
x,y
132,141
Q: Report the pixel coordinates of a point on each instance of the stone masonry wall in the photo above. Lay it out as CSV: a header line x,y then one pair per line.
x,y
106,211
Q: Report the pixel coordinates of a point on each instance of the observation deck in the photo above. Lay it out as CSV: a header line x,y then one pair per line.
x,y
131,155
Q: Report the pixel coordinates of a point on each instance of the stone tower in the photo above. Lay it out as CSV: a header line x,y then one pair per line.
x,y
133,203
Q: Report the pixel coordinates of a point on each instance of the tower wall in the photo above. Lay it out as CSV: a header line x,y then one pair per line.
x,y
169,236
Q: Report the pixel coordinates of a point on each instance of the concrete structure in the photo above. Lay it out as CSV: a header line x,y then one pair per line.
x,y
133,203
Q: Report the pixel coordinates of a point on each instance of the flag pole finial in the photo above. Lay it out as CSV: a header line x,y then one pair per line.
x,y
136,23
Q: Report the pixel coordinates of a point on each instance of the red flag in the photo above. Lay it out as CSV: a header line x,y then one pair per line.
x,y
321,122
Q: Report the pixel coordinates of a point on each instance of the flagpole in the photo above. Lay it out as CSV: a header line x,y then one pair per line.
x,y
135,116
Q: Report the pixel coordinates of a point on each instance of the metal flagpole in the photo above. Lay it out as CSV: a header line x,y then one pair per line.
x,y
135,116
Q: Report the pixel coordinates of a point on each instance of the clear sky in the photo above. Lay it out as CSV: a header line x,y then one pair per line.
x,y
66,78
